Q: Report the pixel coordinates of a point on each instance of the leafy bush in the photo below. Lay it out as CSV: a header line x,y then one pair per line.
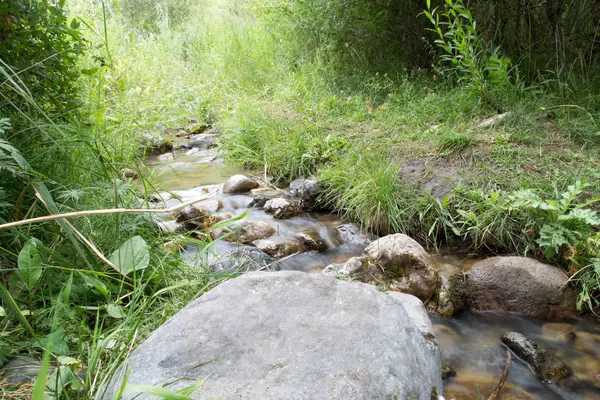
x,y
473,62
37,43
153,15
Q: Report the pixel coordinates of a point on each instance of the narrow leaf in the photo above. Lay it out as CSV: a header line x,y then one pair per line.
x,y
155,391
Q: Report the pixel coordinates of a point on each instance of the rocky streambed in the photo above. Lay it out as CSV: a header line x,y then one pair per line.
x,y
480,309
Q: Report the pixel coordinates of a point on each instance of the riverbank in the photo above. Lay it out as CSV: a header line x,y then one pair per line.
x,y
399,150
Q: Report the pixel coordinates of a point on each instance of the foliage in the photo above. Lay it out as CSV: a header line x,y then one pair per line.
x,y
154,16
37,42
454,141
474,63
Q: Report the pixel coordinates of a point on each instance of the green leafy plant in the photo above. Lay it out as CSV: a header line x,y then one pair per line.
x,y
475,64
566,223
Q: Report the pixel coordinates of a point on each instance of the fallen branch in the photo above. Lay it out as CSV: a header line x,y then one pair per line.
x,y
498,389
102,212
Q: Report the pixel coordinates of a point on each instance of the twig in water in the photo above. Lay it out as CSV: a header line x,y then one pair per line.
x,y
498,389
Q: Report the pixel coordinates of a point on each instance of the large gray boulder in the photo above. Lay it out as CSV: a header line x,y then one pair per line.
x,y
405,263
239,184
290,335
520,284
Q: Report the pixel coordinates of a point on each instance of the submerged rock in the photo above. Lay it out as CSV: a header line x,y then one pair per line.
x,y
405,263
289,335
559,331
244,259
192,218
545,365
282,208
166,157
239,184
351,234
201,142
355,268
307,190
258,201
520,284
245,232
128,173
211,205
313,241
277,246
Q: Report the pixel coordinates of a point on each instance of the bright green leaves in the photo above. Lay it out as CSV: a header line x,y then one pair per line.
x,y
115,311
132,256
30,264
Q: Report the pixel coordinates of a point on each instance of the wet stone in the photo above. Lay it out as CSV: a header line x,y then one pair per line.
x,y
546,366
193,218
128,173
306,190
279,246
244,259
313,241
258,201
447,372
245,232
239,184
282,208
354,268
351,234
166,157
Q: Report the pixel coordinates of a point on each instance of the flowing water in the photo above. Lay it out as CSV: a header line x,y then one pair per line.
x,y
470,341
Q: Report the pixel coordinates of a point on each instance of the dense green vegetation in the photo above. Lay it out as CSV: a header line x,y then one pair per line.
x,y
349,91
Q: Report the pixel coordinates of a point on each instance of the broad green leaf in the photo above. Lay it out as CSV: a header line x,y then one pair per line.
x,y
115,311
582,214
57,340
66,360
2,312
30,265
132,256
94,283
155,391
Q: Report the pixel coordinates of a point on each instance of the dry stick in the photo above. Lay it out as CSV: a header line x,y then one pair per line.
x,y
101,212
498,389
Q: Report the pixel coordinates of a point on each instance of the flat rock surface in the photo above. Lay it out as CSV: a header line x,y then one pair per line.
x,y
290,335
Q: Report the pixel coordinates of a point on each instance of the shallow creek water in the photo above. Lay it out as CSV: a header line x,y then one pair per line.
x,y
469,341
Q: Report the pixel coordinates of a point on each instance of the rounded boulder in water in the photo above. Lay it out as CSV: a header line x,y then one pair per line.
x,y
239,184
